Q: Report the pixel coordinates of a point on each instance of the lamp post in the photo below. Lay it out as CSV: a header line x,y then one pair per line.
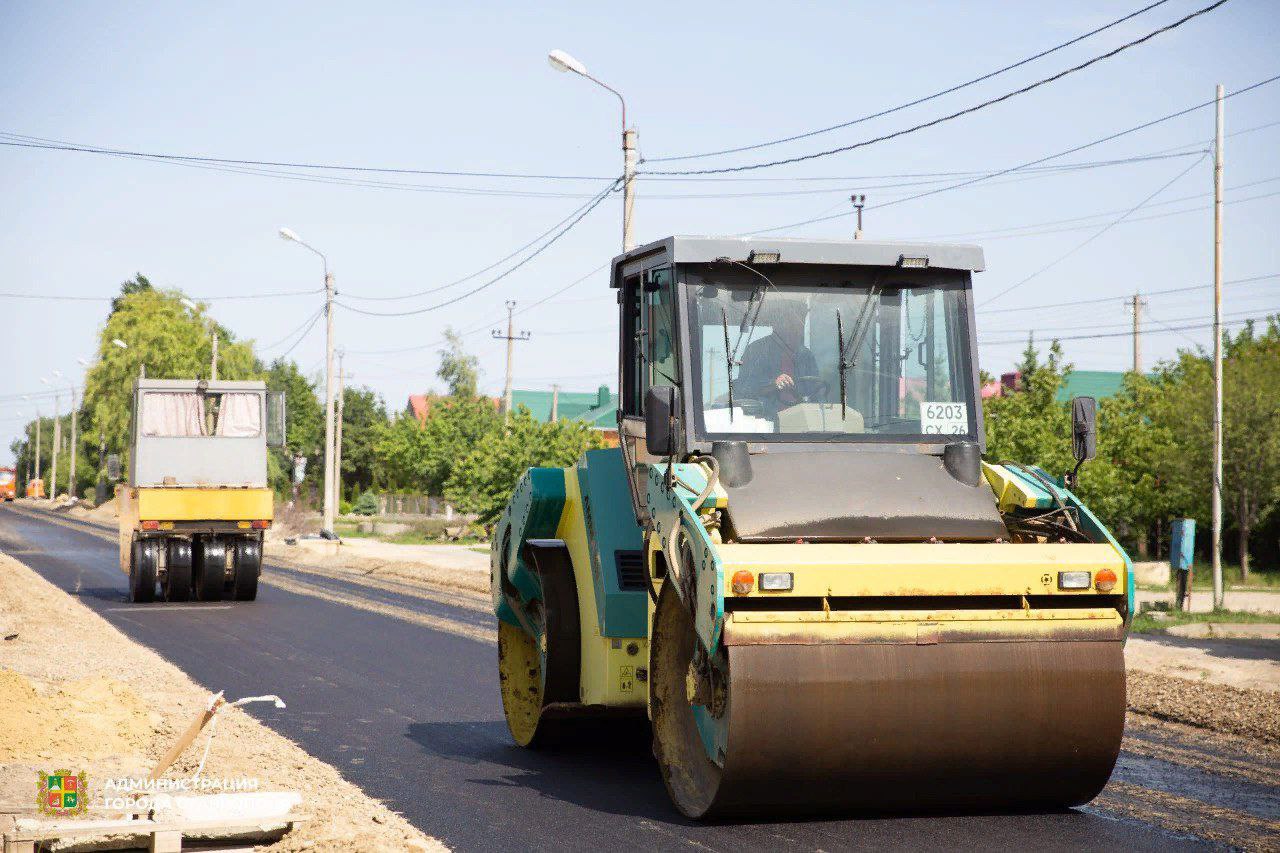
x,y
326,527
562,61
57,436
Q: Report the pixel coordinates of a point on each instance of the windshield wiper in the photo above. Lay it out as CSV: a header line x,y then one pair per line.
x,y
728,359
860,329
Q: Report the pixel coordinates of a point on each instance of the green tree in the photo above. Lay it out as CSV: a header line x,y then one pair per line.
x,y
459,370
138,284
363,415
163,337
483,481
304,425
422,457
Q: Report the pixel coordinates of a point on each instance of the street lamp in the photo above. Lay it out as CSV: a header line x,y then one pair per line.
x,y
119,343
566,63
326,526
57,436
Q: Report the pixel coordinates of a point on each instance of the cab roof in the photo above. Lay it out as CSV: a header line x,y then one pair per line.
x,y
789,250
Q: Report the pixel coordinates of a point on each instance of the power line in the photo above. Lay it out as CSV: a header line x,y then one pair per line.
x,y
1128,324
909,104
311,319
1103,230
484,269
548,244
50,297
1073,303
1129,333
120,152
951,116
988,233
971,181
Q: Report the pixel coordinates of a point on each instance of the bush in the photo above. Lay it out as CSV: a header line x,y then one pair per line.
x,y
344,507
367,504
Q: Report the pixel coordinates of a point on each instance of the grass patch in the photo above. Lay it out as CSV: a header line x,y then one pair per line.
x,y
1146,623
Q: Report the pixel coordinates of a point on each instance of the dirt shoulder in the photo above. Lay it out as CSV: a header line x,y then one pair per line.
x,y
76,693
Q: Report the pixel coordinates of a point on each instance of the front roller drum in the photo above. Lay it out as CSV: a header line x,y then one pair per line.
x,y
885,727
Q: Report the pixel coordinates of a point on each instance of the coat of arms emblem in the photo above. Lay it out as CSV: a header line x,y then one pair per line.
x,y
62,793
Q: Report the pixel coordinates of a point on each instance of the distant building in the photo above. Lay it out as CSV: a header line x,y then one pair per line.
x,y
598,409
1098,384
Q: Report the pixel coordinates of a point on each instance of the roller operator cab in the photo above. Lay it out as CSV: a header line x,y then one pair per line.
x,y
196,504
797,562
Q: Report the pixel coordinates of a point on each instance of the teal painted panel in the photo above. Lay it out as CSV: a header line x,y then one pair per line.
x,y
533,512
611,527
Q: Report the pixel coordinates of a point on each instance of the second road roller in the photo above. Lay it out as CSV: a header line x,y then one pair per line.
x,y
797,561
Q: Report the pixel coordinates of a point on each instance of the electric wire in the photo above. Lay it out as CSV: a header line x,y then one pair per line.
x,y
950,116
303,336
1023,340
1101,231
582,214
1250,280
311,318
909,104
971,181
483,270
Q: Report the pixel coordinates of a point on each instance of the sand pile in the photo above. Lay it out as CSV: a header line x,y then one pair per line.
x,y
72,720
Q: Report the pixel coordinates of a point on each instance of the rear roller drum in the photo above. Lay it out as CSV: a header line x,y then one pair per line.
x,y
210,567
177,574
143,563
791,728
248,566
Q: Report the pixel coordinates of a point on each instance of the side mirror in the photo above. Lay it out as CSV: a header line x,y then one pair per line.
x,y
659,420
113,467
1084,428
275,419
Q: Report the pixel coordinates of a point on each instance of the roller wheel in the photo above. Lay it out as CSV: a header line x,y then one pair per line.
x,y
177,576
142,571
691,777
539,676
210,568
248,562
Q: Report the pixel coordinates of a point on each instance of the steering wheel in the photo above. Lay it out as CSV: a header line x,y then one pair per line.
x,y
808,387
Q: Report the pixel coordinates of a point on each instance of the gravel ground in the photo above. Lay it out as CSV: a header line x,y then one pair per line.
x,y
1217,707
56,653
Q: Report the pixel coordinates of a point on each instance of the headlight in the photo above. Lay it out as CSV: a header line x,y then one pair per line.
x,y
776,581
1074,580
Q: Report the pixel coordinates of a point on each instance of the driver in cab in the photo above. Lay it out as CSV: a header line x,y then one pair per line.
x,y
774,367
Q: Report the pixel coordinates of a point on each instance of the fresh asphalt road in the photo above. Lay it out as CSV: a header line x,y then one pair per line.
x,y
412,716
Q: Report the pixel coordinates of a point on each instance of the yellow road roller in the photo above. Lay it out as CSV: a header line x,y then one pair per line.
x,y
797,562
197,502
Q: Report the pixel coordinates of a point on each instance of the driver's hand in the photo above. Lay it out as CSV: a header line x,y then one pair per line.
x,y
783,381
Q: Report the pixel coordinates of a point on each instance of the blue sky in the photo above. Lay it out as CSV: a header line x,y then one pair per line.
x,y
467,87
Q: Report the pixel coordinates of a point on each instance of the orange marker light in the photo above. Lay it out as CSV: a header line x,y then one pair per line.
x,y
150,525
260,524
1105,580
743,582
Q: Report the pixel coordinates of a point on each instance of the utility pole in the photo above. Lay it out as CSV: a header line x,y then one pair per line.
x,y
629,161
1217,355
858,201
75,428
57,439
213,362
337,445
327,523
555,402
1136,303
38,424
510,337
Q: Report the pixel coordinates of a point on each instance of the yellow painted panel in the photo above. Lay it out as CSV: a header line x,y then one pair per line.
x,y
1009,492
204,504
608,674
921,568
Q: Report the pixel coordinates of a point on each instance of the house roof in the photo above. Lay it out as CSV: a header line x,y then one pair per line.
x,y
1091,383
597,408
